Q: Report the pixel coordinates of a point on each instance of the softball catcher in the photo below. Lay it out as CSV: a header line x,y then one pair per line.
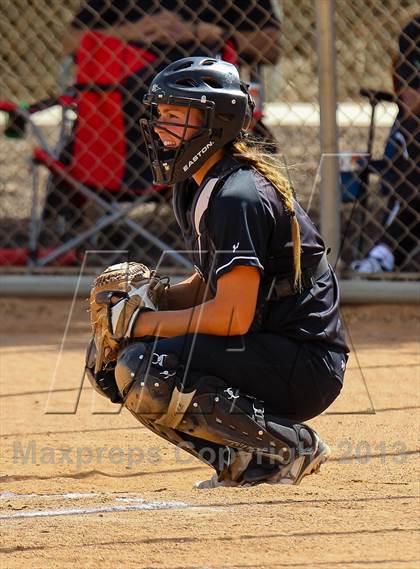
x,y
228,363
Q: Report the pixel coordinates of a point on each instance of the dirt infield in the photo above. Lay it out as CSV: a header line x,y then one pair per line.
x,y
84,486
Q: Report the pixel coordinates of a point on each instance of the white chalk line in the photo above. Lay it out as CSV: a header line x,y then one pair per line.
x,y
66,496
131,503
104,509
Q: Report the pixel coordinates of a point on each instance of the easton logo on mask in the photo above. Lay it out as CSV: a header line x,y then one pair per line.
x,y
197,156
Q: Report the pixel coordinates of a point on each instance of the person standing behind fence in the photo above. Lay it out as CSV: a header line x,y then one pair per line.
x,y
249,27
400,174
252,24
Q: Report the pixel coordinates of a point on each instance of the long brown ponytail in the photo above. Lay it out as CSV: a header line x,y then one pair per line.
x,y
268,166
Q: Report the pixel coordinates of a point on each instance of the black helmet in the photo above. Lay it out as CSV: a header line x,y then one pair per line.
x,y
205,83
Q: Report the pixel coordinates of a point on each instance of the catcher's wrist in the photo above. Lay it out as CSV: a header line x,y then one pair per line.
x,y
134,322
163,303
141,327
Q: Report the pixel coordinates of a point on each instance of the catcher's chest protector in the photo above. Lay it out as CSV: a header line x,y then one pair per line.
x,y
190,213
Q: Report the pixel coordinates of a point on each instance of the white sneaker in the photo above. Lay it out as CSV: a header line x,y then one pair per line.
x,y
379,259
368,265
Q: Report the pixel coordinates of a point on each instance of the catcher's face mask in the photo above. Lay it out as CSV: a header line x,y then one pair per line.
x,y
177,136
178,145
177,123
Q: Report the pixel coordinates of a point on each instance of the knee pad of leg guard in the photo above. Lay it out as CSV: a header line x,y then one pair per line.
x,y
225,416
149,384
145,392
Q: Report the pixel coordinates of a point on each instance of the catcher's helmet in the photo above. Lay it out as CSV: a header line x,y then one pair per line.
x,y
205,83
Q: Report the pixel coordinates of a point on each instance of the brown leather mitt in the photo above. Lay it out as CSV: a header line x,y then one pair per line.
x,y
133,288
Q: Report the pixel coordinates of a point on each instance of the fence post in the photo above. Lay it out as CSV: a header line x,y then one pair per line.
x,y
330,202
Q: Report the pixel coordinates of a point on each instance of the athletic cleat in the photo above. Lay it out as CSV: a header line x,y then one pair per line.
x,y
303,465
291,474
213,482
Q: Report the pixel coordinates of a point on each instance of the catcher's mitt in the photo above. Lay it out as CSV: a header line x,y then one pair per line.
x,y
117,297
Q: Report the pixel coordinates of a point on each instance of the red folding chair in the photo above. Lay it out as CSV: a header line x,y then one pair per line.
x,y
91,167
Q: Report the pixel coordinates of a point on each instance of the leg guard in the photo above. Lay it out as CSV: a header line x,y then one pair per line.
x,y
225,416
149,385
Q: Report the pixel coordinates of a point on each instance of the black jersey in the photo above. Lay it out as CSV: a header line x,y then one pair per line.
x,y
242,221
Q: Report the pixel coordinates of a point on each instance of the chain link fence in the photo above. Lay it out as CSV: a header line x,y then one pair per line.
x,y
380,174
74,174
